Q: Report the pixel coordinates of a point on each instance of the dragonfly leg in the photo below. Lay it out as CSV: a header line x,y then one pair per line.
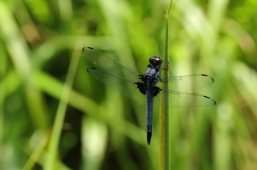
x,y
166,68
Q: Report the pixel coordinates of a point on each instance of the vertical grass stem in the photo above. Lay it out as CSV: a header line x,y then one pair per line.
x,y
164,120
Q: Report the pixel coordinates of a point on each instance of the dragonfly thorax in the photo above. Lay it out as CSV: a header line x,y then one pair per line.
x,y
151,77
149,81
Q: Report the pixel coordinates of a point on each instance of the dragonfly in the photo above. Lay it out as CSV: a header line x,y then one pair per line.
x,y
146,87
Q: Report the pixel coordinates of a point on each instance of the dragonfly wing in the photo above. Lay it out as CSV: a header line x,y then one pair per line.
x,y
123,85
189,82
102,61
183,99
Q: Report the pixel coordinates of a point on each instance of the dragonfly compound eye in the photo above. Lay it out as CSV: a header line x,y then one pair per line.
x,y
155,60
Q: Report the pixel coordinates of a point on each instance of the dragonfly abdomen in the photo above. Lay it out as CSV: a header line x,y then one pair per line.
x,y
149,114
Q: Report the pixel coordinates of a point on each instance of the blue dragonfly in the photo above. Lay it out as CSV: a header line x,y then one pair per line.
x,y
145,87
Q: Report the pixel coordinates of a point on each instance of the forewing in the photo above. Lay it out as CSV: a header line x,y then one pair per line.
x,y
188,82
183,99
123,85
104,62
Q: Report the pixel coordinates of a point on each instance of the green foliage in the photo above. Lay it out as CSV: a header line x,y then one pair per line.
x,y
101,129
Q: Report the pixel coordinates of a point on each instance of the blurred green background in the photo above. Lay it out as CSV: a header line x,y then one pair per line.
x,y
103,129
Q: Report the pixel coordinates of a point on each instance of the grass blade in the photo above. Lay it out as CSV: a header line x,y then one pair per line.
x,y
164,118
56,133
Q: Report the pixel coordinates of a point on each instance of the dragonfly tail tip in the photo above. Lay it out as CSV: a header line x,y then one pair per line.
x,y
149,136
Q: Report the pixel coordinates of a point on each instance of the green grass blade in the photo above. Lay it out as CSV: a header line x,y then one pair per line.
x,y
164,118
56,133
34,157
168,10
19,53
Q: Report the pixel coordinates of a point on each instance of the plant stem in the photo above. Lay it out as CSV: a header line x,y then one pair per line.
x,y
164,116
164,134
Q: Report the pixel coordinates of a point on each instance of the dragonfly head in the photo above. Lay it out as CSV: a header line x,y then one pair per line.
x,y
155,61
